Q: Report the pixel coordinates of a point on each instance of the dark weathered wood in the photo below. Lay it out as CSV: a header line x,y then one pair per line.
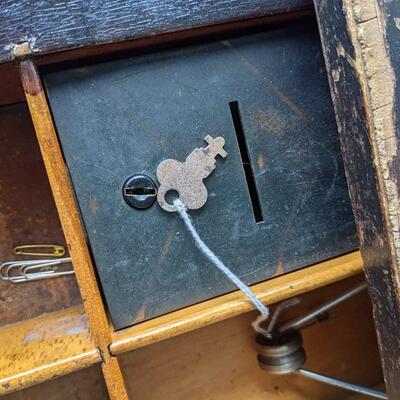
x,y
10,84
362,78
53,25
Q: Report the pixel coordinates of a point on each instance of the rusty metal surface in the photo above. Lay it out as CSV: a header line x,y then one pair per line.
x,y
266,94
186,178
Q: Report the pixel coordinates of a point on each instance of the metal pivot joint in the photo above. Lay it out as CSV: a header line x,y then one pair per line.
x,y
280,349
282,354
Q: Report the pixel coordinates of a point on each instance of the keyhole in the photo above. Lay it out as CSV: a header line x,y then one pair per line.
x,y
140,191
244,154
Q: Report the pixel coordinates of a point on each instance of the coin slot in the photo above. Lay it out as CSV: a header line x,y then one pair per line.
x,y
244,154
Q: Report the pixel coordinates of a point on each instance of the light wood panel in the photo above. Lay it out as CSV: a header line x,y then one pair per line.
x,y
45,347
219,361
236,303
70,221
87,384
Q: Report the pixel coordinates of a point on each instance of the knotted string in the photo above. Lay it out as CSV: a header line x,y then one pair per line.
x,y
180,207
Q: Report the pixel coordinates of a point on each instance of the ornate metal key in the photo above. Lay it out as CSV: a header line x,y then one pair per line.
x,y
186,178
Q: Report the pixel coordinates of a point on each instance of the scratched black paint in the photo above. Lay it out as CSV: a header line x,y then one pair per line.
x,y
124,117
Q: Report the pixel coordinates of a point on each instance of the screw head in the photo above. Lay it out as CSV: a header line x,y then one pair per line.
x,y
139,191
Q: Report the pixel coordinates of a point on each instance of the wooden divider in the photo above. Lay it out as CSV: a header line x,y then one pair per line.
x,y
70,221
45,347
235,303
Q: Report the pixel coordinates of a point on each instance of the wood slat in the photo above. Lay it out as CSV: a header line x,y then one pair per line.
x,y
45,347
53,25
236,303
361,47
71,224
85,384
10,81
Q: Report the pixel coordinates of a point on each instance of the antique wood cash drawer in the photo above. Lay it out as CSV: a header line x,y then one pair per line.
x,y
282,107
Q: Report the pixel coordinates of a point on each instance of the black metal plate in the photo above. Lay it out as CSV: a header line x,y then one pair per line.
x,y
124,117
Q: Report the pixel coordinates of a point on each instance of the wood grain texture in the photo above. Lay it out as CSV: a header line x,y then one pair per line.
x,y
10,81
235,303
219,361
69,217
362,76
45,347
86,384
27,216
53,25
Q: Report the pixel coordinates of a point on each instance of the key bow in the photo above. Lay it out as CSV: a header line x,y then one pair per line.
x,y
186,178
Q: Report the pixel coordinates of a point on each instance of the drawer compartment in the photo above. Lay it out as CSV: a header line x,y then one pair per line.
x,y
277,202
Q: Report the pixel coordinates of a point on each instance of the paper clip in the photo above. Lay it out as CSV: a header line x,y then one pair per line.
x,y
54,250
33,270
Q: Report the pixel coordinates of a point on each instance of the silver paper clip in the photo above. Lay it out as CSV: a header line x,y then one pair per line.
x,y
33,270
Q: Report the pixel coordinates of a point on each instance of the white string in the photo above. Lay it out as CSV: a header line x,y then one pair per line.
x,y
180,207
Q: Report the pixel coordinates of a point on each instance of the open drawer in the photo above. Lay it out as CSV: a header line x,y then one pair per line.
x,y
276,203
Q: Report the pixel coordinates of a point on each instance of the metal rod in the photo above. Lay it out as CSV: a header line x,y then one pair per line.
x,y
303,320
344,385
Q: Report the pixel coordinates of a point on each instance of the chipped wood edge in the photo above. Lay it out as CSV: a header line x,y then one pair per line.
x,y
371,65
376,77
21,50
377,83
46,372
233,304
36,368
71,224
